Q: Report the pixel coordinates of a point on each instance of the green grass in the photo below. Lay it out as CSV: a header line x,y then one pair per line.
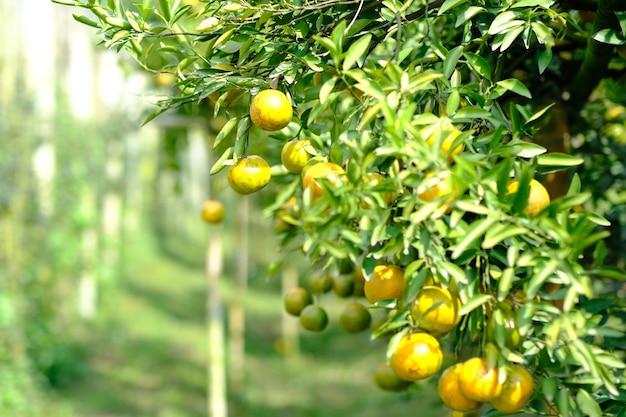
x,y
146,355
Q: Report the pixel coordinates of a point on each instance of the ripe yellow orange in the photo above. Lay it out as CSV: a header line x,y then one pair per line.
x,y
516,390
294,155
447,133
386,283
417,356
355,318
386,379
538,197
313,161
435,309
296,299
314,318
478,381
327,171
165,79
212,211
450,392
435,186
249,175
270,110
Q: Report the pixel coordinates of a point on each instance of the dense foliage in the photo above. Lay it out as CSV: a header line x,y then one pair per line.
x,y
462,92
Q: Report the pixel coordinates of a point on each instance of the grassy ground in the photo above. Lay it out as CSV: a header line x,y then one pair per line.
x,y
146,355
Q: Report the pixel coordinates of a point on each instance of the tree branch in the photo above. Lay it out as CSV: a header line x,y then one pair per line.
x,y
597,54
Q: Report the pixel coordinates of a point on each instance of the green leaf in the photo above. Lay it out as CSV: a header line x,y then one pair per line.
x,y
224,131
544,59
356,51
515,86
609,36
612,272
543,33
587,404
327,44
559,160
452,57
165,9
85,20
505,283
500,232
473,303
474,232
471,113
548,388
219,164
504,41
540,277
521,4
449,5
467,14
478,64
326,89
454,271
525,149
538,116
502,22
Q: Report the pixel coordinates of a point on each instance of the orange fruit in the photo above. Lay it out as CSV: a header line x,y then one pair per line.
x,y
212,211
447,133
313,318
503,320
165,79
516,390
417,356
270,110
451,394
288,209
359,282
321,171
296,299
294,155
436,186
313,161
320,283
435,309
538,197
343,285
355,318
386,379
249,175
478,381
386,283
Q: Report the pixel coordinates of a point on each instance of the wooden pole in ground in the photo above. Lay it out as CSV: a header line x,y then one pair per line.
x,y
237,312
216,360
290,330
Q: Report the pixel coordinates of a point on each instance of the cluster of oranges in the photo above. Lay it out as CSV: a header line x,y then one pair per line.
x,y
354,318
415,352
417,355
270,110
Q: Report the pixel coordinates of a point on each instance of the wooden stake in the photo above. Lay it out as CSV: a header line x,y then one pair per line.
x,y
237,312
290,330
217,405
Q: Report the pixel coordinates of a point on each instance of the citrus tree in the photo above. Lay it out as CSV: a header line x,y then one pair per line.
x,y
402,157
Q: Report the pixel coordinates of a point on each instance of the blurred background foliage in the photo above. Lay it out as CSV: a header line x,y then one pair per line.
x,y
102,284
